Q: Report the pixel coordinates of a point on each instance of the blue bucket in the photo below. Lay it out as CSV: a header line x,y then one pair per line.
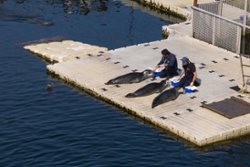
x,y
157,74
174,83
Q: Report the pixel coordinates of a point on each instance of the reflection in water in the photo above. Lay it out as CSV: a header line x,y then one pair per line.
x,y
11,15
83,7
79,6
130,36
153,12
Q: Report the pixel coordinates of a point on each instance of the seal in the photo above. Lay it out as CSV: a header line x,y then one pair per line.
x,y
149,89
133,77
49,86
39,21
166,96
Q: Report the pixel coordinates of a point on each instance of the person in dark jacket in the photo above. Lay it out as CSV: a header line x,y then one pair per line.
x,y
170,64
190,74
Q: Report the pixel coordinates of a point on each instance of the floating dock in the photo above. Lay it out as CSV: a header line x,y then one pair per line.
x,y
185,116
64,50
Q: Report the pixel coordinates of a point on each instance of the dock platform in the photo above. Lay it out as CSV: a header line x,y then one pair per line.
x,y
184,116
64,50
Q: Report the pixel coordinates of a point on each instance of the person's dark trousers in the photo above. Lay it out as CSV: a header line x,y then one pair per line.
x,y
185,82
167,72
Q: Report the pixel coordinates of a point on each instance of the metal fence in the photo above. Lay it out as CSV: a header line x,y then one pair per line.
x,y
223,24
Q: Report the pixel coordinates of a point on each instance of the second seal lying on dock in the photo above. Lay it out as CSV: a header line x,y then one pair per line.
x,y
133,77
148,89
166,96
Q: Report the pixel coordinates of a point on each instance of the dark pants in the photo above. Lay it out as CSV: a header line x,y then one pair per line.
x,y
185,82
167,72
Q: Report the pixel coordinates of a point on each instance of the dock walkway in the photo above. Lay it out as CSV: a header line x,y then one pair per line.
x,y
185,117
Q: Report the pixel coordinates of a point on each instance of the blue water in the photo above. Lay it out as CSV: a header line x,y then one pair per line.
x,y
67,127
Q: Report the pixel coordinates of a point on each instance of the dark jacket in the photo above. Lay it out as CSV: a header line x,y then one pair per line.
x,y
189,71
171,61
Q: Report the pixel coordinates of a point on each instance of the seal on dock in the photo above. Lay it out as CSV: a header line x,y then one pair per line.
x,y
149,89
133,77
166,96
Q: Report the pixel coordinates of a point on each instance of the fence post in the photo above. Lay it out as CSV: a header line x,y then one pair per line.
x,y
193,35
220,8
195,3
214,26
238,40
245,17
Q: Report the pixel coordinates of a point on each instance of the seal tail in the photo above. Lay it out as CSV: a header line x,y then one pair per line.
x,y
130,95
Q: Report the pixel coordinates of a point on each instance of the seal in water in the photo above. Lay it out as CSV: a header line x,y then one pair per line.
x,y
166,96
133,77
49,86
149,89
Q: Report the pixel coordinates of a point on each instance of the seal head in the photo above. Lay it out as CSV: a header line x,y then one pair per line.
x,y
49,86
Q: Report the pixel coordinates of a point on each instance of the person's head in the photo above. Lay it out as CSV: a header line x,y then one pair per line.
x,y
185,61
165,53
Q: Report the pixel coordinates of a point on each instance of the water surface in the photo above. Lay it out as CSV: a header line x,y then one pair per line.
x,y
66,127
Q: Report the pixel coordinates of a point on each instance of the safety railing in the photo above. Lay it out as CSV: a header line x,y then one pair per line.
x,y
218,30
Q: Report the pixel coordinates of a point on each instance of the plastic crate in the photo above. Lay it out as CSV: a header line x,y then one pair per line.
x,y
174,81
190,89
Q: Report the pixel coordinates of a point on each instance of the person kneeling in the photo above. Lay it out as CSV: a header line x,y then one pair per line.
x,y
190,74
170,64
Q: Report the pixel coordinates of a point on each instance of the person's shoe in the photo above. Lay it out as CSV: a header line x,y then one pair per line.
x,y
153,78
184,91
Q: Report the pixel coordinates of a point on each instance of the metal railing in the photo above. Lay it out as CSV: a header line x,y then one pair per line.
x,y
217,30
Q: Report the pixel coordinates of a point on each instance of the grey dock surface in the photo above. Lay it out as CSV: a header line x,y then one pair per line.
x,y
185,117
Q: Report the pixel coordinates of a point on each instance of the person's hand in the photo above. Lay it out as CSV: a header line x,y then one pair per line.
x,y
191,84
179,78
165,65
156,67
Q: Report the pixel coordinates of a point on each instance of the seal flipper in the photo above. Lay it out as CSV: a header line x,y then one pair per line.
x,y
130,95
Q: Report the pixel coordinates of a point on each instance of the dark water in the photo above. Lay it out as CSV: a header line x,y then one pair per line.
x,y
66,127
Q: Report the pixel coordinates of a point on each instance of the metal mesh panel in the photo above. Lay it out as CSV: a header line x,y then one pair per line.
x,y
233,13
210,7
225,35
202,26
237,3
